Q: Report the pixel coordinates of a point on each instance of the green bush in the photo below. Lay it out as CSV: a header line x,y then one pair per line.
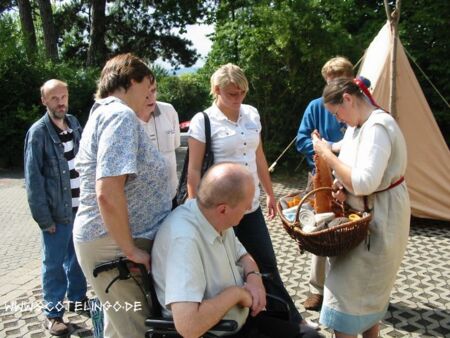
x,y
188,93
20,103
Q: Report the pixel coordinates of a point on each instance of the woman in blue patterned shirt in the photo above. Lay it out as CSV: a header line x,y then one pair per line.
x,y
124,193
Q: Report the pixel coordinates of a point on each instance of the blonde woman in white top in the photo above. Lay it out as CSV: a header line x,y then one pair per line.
x,y
236,137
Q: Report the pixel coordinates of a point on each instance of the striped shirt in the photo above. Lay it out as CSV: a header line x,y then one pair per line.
x,y
66,137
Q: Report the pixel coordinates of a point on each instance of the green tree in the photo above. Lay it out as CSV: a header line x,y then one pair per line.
x,y
188,93
97,46
20,103
282,45
27,25
146,28
48,29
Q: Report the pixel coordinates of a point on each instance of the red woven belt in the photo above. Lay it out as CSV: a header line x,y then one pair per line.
x,y
393,185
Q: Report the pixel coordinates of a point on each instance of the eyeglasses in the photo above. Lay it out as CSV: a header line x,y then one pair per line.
x,y
335,114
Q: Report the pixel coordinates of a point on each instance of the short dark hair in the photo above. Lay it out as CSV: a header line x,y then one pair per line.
x,y
118,73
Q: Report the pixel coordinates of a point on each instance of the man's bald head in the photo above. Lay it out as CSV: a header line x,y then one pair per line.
x,y
55,96
51,84
225,182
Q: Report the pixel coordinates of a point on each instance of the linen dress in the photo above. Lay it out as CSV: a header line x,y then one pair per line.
x,y
358,283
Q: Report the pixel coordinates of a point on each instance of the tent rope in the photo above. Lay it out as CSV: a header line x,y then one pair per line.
x,y
274,164
427,78
359,61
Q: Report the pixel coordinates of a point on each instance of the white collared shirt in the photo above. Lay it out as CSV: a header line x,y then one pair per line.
x,y
232,141
164,132
192,262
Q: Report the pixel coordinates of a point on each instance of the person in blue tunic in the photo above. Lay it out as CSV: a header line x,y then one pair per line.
x,y
317,117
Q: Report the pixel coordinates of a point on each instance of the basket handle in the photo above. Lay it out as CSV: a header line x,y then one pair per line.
x,y
304,198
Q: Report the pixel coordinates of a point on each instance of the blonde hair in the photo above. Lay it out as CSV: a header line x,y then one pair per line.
x,y
227,74
338,66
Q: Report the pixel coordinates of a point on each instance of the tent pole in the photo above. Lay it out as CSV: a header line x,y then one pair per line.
x,y
388,11
394,19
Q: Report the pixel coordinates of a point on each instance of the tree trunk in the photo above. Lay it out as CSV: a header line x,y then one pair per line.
x,y
48,27
27,25
97,47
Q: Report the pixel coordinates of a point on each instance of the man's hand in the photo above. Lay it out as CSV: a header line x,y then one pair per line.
x,y
50,229
245,297
255,286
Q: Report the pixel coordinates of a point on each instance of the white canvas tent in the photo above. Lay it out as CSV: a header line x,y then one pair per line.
x,y
428,171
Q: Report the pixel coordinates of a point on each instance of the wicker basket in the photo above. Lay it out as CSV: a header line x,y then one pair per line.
x,y
328,242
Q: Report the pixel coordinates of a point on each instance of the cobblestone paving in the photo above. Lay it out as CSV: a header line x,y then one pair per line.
x,y
420,300
19,234
420,303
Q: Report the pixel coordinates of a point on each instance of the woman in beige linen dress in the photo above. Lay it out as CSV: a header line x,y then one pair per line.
x,y
372,163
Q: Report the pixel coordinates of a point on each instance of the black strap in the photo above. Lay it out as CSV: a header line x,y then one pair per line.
x,y
207,133
208,160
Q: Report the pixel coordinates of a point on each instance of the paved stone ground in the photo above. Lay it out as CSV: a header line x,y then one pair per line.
x,y
420,304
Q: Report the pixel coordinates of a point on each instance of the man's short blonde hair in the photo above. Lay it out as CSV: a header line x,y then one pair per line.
x,y
338,66
227,74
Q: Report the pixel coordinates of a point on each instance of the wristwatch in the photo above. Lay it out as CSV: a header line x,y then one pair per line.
x,y
254,272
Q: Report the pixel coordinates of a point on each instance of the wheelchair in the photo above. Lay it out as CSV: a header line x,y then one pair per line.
x,y
159,326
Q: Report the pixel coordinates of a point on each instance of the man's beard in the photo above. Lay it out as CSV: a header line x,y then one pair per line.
x,y
58,114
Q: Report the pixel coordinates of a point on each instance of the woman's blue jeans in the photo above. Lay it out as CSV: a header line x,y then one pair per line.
x,y
61,272
253,233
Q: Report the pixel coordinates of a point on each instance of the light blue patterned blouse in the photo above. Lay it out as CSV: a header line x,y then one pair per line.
x,y
114,144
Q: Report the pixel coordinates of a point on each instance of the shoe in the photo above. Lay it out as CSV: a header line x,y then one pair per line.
x,y
56,326
81,307
310,329
313,302
309,324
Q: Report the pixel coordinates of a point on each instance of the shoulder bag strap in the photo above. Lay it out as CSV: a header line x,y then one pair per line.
x,y
207,133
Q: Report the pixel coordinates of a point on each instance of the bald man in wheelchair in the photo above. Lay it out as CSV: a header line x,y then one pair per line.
x,y
203,274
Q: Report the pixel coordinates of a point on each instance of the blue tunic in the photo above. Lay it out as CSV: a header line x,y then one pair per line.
x,y
317,117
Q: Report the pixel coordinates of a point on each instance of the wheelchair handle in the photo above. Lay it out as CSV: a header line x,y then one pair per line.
x,y
107,266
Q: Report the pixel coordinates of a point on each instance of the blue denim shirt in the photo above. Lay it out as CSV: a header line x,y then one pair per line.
x,y
47,176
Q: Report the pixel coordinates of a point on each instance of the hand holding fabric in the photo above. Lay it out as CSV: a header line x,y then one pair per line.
x,y
321,146
339,191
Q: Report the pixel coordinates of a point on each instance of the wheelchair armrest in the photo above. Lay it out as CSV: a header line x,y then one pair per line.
x,y
225,325
160,323
167,325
